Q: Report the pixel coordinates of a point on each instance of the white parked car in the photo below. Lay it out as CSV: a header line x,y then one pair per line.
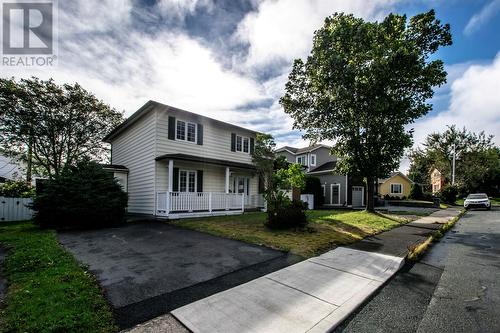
x,y
477,200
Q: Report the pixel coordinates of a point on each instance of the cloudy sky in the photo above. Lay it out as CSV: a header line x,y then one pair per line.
x,y
229,59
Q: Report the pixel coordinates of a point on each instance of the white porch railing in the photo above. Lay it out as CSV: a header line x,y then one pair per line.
x,y
181,202
255,201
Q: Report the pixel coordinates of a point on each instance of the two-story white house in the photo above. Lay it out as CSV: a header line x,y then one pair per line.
x,y
175,163
338,190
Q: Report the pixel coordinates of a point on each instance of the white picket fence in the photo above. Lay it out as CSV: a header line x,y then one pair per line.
x,y
15,209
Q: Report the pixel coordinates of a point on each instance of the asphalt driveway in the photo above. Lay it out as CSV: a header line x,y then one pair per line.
x,y
150,268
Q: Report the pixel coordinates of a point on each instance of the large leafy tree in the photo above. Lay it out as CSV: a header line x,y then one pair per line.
x,y
477,164
52,125
362,84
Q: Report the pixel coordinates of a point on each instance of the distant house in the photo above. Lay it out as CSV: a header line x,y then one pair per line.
x,y
395,185
10,169
437,180
174,163
338,190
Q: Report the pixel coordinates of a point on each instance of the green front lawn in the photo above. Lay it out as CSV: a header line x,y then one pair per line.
x,y
48,290
327,229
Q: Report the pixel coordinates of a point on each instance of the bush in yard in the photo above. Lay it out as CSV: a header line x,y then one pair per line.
x,y
449,194
427,196
81,196
416,192
285,213
313,186
16,189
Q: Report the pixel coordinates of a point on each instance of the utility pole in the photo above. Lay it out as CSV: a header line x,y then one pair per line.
x,y
453,166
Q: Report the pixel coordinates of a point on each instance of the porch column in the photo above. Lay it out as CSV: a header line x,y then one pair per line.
x,y
170,183
170,175
227,180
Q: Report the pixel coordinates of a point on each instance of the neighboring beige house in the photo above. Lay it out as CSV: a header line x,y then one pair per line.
x,y
396,185
437,180
175,163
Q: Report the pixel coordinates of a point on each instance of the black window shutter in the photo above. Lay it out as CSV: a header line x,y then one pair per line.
x,y
200,134
175,186
233,142
252,145
171,128
199,181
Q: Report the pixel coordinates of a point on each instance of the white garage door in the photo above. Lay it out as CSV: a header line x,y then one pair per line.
x,y
357,196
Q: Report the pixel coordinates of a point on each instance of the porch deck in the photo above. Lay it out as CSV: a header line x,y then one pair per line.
x,y
199,204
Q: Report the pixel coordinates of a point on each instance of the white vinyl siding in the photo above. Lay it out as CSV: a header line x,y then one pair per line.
x,y
134,148
216,139
147,138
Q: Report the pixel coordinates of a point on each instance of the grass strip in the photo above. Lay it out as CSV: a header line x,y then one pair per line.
x,y
48,290
415,253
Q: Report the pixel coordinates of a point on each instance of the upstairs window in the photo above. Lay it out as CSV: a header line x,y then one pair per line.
x,y
301,160
313,159
239,143
186,131
246,145
242,144
181,130
396,188
191,132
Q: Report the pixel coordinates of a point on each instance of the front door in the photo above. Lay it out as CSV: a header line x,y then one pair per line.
x,y
335,194
357,196
241,184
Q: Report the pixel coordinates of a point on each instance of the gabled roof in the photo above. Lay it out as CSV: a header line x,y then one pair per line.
x,y
297,151
325,167
150,105
393,174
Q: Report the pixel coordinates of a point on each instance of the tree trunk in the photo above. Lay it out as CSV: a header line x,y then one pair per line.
x,y
370,207
29,166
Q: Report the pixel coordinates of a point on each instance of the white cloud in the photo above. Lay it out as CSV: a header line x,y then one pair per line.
x,y
481,18
474,103
180,8
126,68
283,29
83,16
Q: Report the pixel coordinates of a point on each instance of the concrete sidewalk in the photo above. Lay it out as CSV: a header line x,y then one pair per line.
x,y
314,295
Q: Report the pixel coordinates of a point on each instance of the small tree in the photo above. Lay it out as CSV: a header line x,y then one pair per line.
x,y
362,84
449,194
313,186
264,158
416,192
277,176
52,125
81,196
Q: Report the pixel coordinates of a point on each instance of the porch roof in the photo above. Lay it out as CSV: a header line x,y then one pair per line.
x,y
192,158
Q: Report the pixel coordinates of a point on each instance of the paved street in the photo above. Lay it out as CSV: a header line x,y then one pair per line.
x,y
454,288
